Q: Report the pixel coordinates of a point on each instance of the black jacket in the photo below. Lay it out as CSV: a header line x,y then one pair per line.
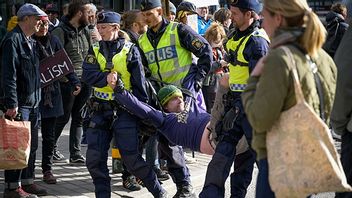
x,y
76,42
336,27
51,104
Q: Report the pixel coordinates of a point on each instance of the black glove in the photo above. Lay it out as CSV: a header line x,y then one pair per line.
x,y
230,118
198,85
119,85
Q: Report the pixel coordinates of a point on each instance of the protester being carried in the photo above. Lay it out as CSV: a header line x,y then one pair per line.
x,y
192,129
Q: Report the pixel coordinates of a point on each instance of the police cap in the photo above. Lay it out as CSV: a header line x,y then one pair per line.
x,y
187,6
150,4
108,17
253,5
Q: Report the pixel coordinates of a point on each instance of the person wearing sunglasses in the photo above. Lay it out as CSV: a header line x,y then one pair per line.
x,y
114,54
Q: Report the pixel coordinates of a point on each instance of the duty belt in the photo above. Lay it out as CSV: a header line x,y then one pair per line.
x,y
104,95
97,104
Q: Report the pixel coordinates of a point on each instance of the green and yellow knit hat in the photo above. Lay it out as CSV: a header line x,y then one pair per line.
x,y
168,92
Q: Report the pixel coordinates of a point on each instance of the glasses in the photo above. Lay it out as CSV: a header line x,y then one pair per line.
x,y
44,24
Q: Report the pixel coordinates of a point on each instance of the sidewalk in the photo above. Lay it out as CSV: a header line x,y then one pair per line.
x,y
75,181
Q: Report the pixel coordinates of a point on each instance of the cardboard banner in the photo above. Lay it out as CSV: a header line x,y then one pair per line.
x,y
55,67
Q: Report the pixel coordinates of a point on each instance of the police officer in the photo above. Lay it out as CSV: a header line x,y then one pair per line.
x,y
168,48
245,47
114,55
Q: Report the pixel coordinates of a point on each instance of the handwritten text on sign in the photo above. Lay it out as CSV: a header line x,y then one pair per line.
x,y
55,67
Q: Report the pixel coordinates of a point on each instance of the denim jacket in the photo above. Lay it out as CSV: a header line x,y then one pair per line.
x,y
20,76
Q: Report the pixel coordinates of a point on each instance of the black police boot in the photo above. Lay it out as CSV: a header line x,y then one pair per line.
x,y
161,175
185,191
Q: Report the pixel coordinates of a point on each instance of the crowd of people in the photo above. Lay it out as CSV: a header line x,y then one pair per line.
x,y
144,79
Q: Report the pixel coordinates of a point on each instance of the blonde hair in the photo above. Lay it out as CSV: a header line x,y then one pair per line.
x,y
297,13
215,32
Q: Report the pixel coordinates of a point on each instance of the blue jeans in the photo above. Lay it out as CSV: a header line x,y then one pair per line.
x,y
72,107
263,188
26,175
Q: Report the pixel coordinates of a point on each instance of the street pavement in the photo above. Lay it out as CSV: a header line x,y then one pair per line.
x,y
75,181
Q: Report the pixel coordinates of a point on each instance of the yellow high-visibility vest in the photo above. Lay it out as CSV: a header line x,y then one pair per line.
x,y
239,71
119,62
169,59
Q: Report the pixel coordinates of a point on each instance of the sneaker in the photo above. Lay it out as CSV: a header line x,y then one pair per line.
x,y
18,193
161,175
131,184
140,182
77,159
34,189
185,191
58,157
49,178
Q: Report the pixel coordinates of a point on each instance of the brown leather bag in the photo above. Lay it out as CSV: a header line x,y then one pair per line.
x,y
15,141
301,154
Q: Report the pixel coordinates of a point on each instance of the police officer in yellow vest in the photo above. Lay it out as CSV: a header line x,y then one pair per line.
x,y
168,49
114,55
245,47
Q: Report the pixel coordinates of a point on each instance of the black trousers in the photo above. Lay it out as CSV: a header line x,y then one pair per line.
x,y
346,160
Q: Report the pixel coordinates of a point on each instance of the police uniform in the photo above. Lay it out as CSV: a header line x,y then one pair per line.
x,y
172,61
122,57
168,54
244,49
